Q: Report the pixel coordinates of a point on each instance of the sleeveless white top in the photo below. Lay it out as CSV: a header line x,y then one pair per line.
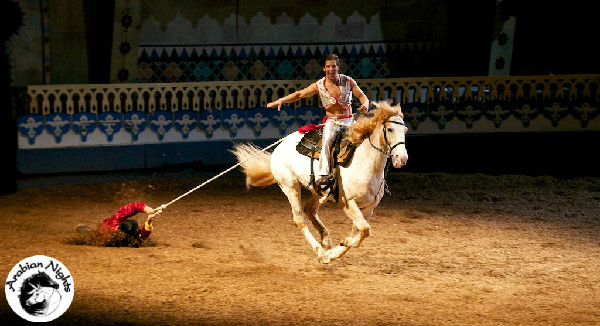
x,y
345,99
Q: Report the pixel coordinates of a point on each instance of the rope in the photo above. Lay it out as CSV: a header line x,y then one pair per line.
x,y
160,208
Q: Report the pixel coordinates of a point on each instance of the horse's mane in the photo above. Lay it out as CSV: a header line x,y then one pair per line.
x,y
365,124
40,279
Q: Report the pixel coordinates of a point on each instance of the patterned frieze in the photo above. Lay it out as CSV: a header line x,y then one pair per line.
x,y
80,115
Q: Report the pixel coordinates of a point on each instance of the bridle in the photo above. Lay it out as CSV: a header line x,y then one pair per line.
x,y
389,147
387,153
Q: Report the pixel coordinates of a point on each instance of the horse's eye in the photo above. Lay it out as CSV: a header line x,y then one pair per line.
x,y
390,130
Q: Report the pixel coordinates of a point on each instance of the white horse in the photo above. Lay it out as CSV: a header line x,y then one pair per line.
x,y
48,297
378,136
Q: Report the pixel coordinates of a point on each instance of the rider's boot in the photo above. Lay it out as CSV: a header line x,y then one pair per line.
x,y
325,182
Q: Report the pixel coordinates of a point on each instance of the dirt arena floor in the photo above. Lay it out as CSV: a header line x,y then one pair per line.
x,y
446,249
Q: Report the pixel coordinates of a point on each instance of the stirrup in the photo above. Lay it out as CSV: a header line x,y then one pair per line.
x,y
325,182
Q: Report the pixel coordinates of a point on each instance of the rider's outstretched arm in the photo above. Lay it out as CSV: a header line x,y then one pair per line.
x,y
295,96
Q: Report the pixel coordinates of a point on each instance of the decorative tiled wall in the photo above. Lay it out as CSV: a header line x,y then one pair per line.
x,y
268,62
270,43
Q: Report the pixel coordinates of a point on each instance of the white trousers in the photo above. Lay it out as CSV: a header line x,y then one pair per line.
x,y
330,130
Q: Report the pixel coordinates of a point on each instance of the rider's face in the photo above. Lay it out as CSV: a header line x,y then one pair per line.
x,y
331,69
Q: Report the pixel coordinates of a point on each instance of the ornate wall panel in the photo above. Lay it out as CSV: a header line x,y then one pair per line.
x,y
237,41
118,114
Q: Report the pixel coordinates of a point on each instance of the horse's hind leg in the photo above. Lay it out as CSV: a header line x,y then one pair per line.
x,y
294,197
311,208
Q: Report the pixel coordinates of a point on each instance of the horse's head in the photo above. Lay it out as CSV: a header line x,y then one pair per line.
x,y
394,135
38,294
384,127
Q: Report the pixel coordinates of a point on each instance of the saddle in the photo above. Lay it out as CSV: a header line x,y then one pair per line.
x,y
342,152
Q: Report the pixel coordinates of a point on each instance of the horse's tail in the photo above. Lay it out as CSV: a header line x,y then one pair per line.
x,y
255,163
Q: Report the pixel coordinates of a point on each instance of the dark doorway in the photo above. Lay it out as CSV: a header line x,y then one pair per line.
x,y
99,19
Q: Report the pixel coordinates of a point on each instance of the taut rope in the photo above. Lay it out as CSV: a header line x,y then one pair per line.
x,y
160,208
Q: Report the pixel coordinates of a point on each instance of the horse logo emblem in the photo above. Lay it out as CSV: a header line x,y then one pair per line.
x,y
40,298
39,289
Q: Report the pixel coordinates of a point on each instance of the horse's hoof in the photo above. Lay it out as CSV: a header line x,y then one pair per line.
x,y
324,259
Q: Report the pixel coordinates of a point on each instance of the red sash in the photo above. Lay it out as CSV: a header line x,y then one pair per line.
x,y
311,127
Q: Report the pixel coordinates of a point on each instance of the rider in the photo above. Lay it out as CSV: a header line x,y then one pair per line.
x,y
335,91
127,232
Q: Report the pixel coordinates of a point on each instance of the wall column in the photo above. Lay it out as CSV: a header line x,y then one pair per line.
x,y
126,34
12,19
502,46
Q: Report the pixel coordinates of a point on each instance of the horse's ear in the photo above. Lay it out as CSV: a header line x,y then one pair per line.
x,y
34,288
398,108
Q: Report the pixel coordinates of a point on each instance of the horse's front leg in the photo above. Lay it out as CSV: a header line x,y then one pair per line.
x,y
360,230
360,227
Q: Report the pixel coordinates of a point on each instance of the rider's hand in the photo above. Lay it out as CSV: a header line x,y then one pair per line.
x,y
277,103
